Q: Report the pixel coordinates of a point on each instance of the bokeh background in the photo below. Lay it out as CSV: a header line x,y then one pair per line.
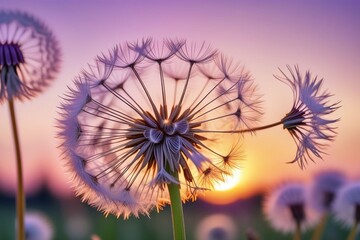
x,y
321,36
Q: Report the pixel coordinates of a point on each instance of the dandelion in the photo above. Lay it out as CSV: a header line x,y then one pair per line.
x,y
29,55
132,124
29,60
287,209
323,190
347,207
306,121
37,227
216,227
145,124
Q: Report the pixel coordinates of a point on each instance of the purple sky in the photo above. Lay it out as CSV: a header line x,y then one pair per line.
x,y
320,36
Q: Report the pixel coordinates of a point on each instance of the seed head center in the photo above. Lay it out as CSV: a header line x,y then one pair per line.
x,y
10,54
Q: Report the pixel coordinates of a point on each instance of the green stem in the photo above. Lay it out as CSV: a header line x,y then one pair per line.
x,y
320,228
353,232
297,233
177,210
20,197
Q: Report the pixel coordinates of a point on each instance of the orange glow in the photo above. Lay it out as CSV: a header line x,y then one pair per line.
x,y
230,182
236,187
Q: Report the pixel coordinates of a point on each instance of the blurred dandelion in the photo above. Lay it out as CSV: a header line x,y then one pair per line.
x,y
216,227
347,207
37,227
144,125
29,55
287,209
95,237
29,59
323,190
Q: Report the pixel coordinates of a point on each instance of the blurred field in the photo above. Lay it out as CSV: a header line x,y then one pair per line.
x,y
74,220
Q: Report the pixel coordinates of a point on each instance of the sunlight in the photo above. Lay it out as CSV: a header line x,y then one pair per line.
x,y
228,191
239,185
229,181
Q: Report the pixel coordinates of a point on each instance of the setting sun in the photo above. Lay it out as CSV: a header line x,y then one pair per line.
x,y
229,181
231,190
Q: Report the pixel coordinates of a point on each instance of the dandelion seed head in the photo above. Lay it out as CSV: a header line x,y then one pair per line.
x,y
29,55
346,206
216,227
37,227
286,206
307,120
324,188
147,110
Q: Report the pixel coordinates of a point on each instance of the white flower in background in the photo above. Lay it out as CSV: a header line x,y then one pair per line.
x,y
324,188
216,227
286,208
37,227
29,55
347,204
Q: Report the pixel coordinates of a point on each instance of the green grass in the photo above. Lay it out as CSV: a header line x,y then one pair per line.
x,y
75,220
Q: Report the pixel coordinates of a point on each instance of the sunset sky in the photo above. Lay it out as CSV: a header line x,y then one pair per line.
x,y
320,36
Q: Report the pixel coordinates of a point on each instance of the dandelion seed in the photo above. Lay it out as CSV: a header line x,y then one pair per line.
x,y
306,122
148,111
29,55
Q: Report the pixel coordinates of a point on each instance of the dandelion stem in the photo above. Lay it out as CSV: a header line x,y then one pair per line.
x,y
297,233
261,127
353,232
176,210
319,228
20,198
244,130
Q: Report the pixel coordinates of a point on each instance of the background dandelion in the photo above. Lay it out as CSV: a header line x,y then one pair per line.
x,y
29,58
29,55
287,209
38,227
347,207
216,227
323,190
